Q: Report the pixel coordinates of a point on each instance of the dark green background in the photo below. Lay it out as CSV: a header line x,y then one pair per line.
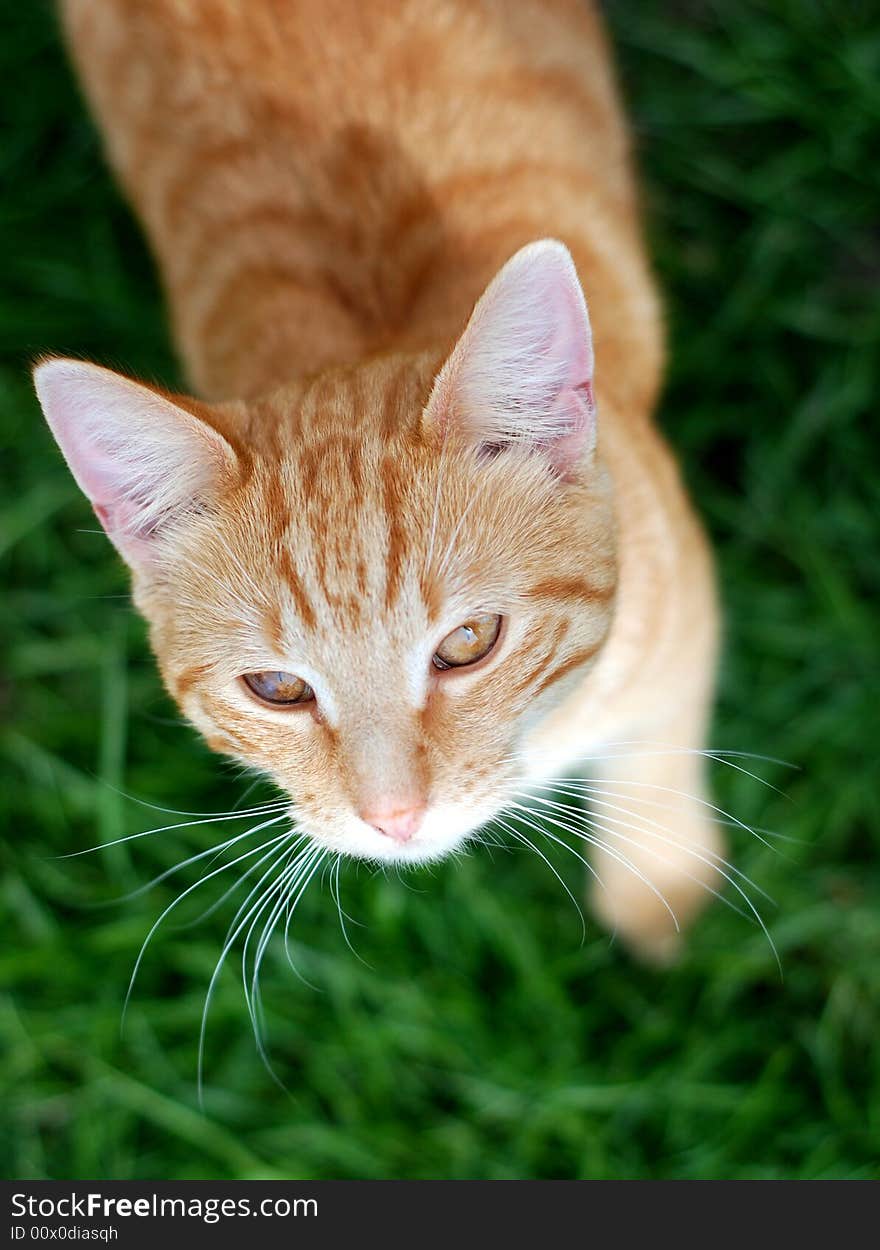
x,y
478,1038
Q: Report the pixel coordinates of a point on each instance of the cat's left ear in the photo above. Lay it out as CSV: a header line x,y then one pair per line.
x,y
522,372
143,461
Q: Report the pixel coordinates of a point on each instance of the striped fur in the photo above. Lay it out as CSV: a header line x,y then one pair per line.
x,y
329,186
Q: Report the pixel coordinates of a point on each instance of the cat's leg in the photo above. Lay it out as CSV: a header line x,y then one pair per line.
x,y
662,840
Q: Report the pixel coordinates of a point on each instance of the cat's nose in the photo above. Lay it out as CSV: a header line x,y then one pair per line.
x,y
399,823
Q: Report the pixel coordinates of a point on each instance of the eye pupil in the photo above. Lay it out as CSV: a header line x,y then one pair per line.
x,y
470,642
280,689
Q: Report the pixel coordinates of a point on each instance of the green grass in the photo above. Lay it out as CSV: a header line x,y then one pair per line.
x,y
478,1037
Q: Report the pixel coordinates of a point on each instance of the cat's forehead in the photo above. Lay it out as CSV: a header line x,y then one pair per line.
x,y
351,461
346,494
361,523
356,536
383,397
361,550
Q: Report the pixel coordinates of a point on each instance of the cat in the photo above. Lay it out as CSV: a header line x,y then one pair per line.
x,y
407,553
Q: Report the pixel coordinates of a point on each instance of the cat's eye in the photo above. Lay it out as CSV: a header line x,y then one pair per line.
x,y
470,642
281,689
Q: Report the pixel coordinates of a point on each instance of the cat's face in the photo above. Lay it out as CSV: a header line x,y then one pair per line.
x,y
384,547
372,592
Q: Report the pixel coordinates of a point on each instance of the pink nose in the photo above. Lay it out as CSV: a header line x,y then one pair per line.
x,y
399,823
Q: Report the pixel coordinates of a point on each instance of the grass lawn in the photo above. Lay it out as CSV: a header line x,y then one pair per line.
x,y
476,1035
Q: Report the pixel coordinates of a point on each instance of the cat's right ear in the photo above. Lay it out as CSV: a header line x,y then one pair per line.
x,y
141,459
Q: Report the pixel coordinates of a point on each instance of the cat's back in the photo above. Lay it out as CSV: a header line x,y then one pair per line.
x,y
403,149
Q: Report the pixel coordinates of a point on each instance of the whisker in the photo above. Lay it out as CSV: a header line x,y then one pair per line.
x,y
579,786
173,811
288,882
235,927
613,832
545,833
291,906
609,753
171,906
663,829
181,824
236,885
594,784
521,837
623,748
215,851
278,892
343,915
596,787
715,862
600,824
298,881
623,859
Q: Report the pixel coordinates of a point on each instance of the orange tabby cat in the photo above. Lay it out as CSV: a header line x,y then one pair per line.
x,y
406,555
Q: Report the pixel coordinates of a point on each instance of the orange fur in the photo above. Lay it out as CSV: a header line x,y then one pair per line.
x,y
329,186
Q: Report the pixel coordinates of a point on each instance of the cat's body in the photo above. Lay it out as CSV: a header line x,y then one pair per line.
x,y
329,186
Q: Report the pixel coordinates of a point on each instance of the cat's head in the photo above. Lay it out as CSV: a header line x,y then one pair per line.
x,y
372,584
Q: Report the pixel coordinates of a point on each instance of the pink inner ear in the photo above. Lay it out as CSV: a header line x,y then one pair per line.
x,y
522,372
576,412
109,484
140,459
124,527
